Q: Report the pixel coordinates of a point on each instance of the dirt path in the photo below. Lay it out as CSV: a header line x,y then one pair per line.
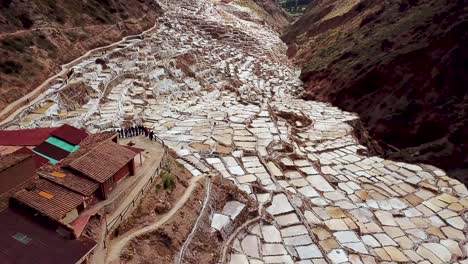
x,y
115,247
19,32
15,108
195,226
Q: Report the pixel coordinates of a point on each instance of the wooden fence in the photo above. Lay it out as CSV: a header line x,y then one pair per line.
x,y
112,224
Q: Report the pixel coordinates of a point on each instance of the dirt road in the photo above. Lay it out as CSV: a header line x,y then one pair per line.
x,y
116,246
195,226
15,108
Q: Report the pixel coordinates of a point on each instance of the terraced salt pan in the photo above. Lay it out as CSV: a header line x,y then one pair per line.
x,y
329,203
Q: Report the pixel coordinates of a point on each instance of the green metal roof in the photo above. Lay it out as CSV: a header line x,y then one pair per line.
x,y
62,144
51,160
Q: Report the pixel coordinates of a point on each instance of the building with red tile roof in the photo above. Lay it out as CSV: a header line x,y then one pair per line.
x,y
15,169
68,180
77,179
50,145
24,241
75,169
102,162
50,200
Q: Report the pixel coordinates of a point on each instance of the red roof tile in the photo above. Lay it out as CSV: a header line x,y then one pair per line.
x,y
70,134
103,161
24,137
68,180
92,141
79,225
49,199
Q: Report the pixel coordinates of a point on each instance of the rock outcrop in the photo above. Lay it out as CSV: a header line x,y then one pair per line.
x,y
401,65
37,36
277,16
266,12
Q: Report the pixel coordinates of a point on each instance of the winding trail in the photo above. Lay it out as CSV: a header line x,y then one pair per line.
x,y
11,111
115,247
195,226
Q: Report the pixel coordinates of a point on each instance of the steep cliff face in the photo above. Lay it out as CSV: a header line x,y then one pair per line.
x,y
400,64
267,11
37,36
277,16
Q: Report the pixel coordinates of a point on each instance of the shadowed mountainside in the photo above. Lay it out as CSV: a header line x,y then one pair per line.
x,y
37,36
401,65
277,16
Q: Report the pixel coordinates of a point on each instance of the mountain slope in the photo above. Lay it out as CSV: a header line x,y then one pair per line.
x,y
267,12
401,65
276,15
37,36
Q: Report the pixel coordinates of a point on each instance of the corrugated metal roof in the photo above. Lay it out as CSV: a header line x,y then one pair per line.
x,y
23,241
62,144
56,207
70,134
51,151
43,159
24,137
103,161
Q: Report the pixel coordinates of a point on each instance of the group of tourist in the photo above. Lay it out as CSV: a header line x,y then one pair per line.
x,y
136,130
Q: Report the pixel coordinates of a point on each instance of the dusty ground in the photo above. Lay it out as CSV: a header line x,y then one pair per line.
x,y
163,245
160,198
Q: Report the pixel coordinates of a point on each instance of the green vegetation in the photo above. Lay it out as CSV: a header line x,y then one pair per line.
x,y
16,44
10,67
44,43
26,21
380,30
168,180
76,35
22,44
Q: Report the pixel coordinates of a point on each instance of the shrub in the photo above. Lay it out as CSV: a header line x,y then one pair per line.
x,y
16,43
168,180
44,43
26,22
5,3
10,67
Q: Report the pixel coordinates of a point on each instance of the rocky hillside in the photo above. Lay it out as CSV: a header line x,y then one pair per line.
x,y
267,12
37,36
277,16
400,64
